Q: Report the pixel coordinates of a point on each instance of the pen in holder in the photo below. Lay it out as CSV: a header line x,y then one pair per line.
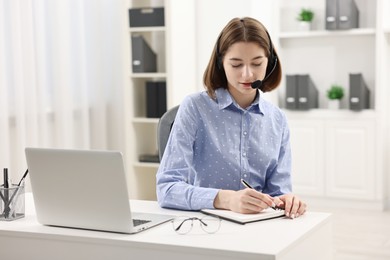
x,y
12,202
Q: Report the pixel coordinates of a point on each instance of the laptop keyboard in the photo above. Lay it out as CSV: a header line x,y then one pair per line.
x,y
137,222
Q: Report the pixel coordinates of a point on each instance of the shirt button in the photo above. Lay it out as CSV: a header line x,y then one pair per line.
x,y
245,175
245,133
244,154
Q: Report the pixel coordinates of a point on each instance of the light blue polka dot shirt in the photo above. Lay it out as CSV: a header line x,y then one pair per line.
x,y
214,143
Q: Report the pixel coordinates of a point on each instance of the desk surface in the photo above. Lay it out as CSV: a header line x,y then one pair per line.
x,y
261,240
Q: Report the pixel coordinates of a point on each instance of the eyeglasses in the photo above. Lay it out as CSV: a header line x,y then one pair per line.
x,y
183,225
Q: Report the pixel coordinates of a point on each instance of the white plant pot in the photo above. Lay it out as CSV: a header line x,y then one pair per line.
x,y
304,26
334,104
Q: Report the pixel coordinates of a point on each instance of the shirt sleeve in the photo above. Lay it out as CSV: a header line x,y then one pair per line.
x,y
176,179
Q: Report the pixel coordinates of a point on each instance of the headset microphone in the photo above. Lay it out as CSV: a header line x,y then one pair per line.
x,y
257,84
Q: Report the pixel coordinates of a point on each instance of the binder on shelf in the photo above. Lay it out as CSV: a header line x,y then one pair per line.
x,y
143,17
307,93
301,93
331,15
291,92
156,99
341,15
144,58
359,94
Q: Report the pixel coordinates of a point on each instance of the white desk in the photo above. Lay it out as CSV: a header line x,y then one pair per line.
x,y
307,237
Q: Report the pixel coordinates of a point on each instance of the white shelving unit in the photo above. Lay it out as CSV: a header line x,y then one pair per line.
x,y
142,131
338,154
171,43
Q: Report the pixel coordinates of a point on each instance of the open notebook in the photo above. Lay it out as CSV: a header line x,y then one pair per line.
x,y
244,218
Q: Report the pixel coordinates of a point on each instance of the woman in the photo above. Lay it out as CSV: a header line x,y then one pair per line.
x,y
229,132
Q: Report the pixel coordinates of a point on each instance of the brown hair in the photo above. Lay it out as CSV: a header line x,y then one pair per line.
x,y
240,30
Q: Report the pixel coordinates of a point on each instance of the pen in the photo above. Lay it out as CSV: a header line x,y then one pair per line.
x,y
5,171
24,176
246,184
6,198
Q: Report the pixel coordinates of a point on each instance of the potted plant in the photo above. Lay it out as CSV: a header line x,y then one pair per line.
x,y
305,18
335,94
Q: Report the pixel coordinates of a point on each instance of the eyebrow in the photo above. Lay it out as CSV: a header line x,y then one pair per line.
x,y
255,58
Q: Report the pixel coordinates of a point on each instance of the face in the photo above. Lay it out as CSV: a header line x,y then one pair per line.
x,y
244,62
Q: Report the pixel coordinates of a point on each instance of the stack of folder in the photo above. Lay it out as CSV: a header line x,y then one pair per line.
x,y
341,15
301,93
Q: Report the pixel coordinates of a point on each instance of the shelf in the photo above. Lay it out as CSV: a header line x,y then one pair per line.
x,y
145,120
147,29
327,33
148,75
146,165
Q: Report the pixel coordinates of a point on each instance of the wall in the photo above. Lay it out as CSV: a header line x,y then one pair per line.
x,y
181,41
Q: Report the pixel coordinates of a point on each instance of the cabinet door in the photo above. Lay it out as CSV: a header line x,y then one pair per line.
x,y
350,159
307,146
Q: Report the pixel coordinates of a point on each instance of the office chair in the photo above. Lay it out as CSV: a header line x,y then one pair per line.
x,y
164,129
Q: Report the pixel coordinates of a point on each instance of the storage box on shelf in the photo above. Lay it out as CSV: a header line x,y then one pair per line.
x,y
147,16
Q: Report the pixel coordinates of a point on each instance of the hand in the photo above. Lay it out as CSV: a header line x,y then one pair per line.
x,y
243,201
292,205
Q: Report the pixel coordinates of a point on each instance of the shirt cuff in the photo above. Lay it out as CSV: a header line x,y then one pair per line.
x,y
204,198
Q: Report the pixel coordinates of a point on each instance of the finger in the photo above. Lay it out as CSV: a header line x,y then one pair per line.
x,y
253,201
301,209
254,208
278,202
265,198
255,204
287,205
294,207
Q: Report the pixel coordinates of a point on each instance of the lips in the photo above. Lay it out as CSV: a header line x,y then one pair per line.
x,y
246,85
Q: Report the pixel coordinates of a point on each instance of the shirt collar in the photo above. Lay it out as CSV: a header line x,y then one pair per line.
x,y
224,100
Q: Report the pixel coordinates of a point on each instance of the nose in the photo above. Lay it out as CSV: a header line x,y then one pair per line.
x,y
247,72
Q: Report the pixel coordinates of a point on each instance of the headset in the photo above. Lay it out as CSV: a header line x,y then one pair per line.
x,y
272,60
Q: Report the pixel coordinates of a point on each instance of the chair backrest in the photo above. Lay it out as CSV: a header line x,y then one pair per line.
x,y
164,129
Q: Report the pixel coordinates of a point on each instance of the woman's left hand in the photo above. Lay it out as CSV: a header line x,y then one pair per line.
x,y
292,205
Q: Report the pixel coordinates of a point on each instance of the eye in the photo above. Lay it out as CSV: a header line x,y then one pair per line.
x,y
257,64
236,65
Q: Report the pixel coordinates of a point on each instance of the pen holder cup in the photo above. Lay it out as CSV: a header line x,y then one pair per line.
x,y
12,202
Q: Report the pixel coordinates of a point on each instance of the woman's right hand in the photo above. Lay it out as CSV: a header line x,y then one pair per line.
x,y
245,201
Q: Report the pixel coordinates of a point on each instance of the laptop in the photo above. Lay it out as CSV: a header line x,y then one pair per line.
x,y
84,189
